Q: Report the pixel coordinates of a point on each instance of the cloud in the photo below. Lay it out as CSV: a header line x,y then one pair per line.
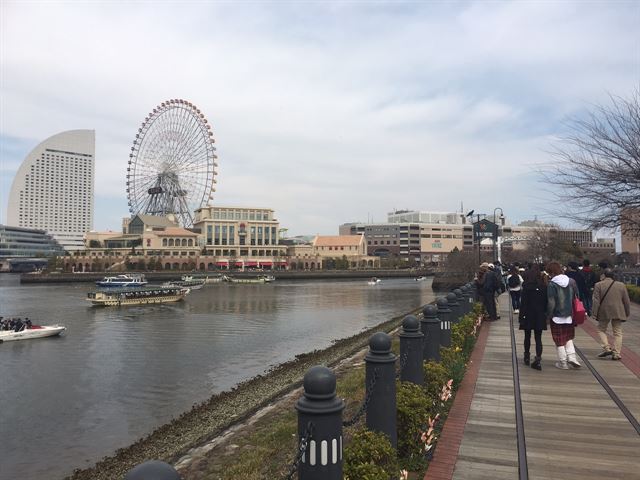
x,y
325,113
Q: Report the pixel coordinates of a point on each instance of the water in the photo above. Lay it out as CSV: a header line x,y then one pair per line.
x,y
118,373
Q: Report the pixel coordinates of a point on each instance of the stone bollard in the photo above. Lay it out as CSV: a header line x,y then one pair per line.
x,y
469,297
320,413
454,306
411,345
152,470
444,314
464,301
430,326
381,366
460,299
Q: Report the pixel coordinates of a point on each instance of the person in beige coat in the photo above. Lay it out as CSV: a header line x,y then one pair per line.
x,y
610,304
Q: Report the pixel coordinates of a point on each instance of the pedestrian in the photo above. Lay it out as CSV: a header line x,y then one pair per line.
x,y
533,313
560,294
575,274
589,282
610,304
487,284
514,283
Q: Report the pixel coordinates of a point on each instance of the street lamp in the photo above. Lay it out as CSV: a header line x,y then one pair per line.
x,y
470,215
495,240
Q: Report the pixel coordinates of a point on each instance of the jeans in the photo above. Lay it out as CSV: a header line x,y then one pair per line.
x,y
527,342
515,299
587,301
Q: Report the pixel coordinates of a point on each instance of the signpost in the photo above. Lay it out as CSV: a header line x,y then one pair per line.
x,y
483,229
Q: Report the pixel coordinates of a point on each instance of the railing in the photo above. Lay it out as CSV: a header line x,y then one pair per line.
x,y
320,423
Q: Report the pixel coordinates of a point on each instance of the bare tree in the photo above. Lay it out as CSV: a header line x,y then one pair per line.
x,y
596,173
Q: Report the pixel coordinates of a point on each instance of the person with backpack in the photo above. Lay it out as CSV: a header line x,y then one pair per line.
x,y
590,282
610,304
514,283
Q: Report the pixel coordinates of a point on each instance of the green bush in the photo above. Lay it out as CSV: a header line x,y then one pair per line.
x,y
435,376
370,456
414,408
634,293
453,362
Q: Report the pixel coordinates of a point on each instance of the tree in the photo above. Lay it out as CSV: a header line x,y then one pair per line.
x,y
596,173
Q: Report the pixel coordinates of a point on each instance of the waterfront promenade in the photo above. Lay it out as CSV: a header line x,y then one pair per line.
x,y
573,429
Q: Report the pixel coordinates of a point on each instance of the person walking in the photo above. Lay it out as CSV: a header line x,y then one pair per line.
x,y
611,304
514,283
560,294
487,284
533,313
590,282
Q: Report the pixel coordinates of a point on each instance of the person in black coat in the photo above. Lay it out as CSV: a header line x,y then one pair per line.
x,y
533,313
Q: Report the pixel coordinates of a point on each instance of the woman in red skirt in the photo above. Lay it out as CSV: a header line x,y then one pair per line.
x,y
560,294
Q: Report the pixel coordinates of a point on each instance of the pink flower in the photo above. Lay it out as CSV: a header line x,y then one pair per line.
x,y
404,475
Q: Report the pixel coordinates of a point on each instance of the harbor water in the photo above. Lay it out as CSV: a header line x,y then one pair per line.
x,y
118,373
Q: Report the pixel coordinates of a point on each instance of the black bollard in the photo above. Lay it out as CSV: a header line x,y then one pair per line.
x,y
460,299
444,314
464,304
454,306
152,470
430,326
320,421
468,296
381,366
411,344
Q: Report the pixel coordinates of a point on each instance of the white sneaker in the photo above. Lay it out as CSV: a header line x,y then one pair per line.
x,y
562,365
516,311
574,363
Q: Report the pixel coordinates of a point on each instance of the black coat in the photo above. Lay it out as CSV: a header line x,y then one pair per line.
x,y
533,306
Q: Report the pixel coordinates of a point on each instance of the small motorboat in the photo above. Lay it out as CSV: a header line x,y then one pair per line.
x,y
35,331
374,281
421,279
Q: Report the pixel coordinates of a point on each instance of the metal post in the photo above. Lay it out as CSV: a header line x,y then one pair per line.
x,y
380,365
461,306
430,325
452,299
320,421
411,344
153,469
444,314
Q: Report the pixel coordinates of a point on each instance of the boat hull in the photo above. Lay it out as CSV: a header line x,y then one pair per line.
x,y
118,302
30,333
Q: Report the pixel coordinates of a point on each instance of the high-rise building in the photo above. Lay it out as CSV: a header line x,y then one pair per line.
x,y
53,188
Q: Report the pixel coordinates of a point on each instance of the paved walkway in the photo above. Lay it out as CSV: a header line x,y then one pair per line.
x,y
573,429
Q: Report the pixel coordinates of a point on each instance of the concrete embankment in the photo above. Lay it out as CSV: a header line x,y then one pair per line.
x,y
279,274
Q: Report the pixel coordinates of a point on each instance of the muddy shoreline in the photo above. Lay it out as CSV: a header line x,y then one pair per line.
x,y
205,421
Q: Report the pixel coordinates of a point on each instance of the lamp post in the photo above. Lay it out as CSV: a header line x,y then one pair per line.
x,y
495,240
477,237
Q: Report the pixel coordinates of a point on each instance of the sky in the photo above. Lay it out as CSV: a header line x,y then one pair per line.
x,y
326,112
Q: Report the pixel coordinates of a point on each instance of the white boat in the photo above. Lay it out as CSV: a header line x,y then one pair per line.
x,y
421,279
190,283
374,281
36,331
121,281
137,296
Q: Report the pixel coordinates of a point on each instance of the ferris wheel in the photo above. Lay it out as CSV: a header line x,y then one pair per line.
x,y
172,164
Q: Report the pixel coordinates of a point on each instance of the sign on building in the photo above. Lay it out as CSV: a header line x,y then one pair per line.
x,y
484,229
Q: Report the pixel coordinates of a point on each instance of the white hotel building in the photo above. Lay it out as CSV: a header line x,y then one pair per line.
x,y
53,188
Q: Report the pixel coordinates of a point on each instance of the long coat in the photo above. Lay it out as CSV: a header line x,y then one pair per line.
x,y
533,306
616,304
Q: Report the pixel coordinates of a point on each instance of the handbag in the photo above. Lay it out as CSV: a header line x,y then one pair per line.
x,y
578,312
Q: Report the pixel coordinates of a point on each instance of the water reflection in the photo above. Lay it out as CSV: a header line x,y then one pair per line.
x,y
120,372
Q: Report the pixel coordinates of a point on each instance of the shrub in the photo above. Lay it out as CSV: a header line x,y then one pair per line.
x,y
414,408
453,362
634,293
435,376
369,456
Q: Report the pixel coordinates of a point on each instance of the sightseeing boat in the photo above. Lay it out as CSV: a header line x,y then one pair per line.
x,y
121,281
137,296
34,331
258,279
187,281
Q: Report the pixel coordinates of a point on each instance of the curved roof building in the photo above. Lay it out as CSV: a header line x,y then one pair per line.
x,y
53,188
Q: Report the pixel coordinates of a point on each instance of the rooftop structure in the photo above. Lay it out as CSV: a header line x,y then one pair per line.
x,y
53,188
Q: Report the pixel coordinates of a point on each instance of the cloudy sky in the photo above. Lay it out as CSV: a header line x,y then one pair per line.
x,y
327,112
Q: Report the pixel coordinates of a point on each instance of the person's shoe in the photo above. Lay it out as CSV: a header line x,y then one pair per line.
x,y
562,365
498,317
516,310
615,356
605,353
574,362
536,364
527,358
